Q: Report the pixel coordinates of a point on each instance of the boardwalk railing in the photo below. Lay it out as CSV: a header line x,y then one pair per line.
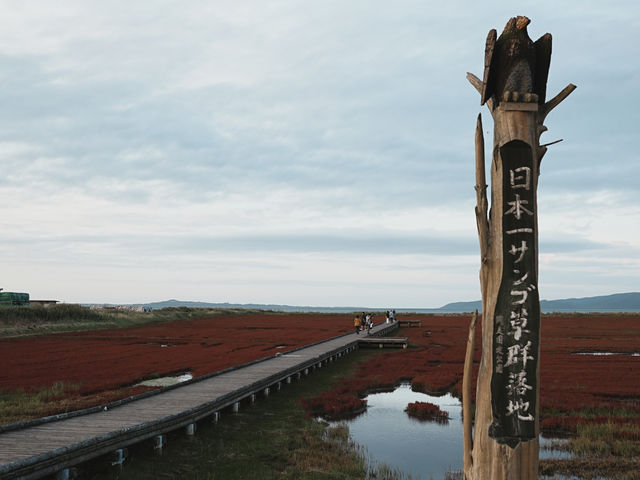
x,y
51,445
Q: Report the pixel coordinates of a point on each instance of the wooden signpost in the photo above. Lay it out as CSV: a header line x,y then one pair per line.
x,y
505,439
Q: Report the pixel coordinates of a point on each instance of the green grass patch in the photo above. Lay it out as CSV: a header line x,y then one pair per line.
x,y
617,412
37,320
610,468
18,406
600,450
606,439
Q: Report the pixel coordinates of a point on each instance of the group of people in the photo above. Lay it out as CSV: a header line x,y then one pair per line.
x,y
391,316
365,321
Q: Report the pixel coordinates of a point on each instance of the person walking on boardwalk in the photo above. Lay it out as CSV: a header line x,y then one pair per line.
x,y
356,324
369,323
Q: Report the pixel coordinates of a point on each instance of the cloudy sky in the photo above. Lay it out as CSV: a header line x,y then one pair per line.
x,y
298,152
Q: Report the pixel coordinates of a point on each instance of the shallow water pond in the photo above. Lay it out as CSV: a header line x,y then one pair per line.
x,y
608,354
422,449
552,448
166,381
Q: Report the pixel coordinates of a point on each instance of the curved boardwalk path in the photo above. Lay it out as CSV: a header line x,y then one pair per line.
x,y
51,445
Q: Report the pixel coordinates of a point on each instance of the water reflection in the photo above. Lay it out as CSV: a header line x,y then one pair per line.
x,y
554,448
607,354
422,449
166,381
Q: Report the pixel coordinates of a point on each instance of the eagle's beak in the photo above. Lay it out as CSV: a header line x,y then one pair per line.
x,y
522,22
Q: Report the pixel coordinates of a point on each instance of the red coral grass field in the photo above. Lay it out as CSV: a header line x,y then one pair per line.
x,y
433,363
593,398
96,367
334,407
574,389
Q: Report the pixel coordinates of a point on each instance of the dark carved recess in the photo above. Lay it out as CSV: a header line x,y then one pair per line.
x,y
517,314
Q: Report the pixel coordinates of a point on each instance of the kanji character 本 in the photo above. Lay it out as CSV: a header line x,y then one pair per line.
x,y
517,207
520,178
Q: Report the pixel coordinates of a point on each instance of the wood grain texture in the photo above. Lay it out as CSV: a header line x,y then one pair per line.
x,y
484,457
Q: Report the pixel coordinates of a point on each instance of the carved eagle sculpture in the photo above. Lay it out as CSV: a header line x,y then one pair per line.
x,y
516,68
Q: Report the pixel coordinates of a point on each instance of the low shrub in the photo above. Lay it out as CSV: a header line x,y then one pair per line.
x,y
333,407
427,411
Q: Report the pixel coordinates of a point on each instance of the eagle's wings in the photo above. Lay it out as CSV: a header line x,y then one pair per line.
x,y
543,59
489,76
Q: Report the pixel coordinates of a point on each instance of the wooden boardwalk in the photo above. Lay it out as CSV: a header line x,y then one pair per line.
x,y
410,323
384,342
50,446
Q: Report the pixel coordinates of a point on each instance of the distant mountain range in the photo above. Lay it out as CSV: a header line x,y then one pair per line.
x,y
619,302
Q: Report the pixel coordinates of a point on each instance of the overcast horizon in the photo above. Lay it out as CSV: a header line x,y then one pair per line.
x,y
298,153
623,306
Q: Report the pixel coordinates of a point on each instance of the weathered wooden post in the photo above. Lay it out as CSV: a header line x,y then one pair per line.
x,y
505,439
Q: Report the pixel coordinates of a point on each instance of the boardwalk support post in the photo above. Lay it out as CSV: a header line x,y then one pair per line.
x,y
236,407
63,474
119,455
191,429
507,420
159,442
